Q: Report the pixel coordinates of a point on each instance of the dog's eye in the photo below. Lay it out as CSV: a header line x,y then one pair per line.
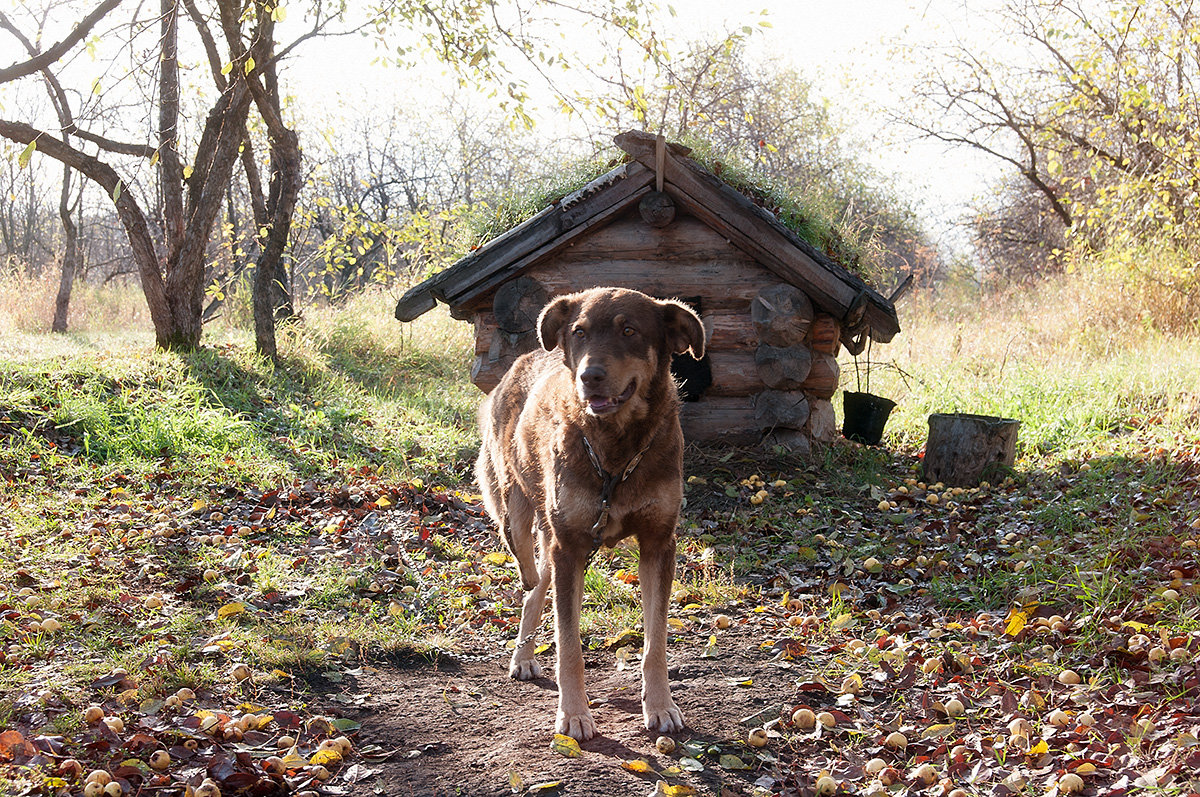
x,y
578,332
629,332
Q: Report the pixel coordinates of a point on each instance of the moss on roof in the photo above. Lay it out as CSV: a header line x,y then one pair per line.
x,y
807,218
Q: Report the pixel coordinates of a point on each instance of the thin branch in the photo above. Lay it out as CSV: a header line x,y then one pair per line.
x,y
58,50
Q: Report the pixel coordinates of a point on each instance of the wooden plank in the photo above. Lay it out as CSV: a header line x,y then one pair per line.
x,y
729,330
415,302
734,374
823,376
822,422
825,334
629,238
715,420
764,236
616,187
723,285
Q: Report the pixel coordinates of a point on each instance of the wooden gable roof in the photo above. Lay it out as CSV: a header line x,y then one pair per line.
x,y
695,190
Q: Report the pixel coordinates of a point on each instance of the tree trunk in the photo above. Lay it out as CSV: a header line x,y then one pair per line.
x,y
272,288
66,280
963,450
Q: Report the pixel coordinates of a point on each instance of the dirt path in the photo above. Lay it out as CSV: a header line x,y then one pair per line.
x,y
468,729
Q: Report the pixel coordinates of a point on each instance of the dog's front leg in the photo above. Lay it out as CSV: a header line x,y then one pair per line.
x,y
656,572
574,716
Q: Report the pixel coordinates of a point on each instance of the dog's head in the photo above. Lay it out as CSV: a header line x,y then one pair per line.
x,y
618,343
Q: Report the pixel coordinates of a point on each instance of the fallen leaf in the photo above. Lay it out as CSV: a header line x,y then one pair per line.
x,y
230,610
638,765
565,746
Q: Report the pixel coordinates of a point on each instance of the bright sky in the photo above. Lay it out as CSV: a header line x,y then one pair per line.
x,y
843,47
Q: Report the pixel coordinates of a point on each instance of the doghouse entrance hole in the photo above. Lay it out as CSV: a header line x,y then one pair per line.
x,y
692,376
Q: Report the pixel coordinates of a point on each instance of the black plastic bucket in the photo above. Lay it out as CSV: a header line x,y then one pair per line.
x,y
863,417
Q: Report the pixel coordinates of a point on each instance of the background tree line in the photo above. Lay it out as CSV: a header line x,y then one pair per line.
x,y
183,160
1093,107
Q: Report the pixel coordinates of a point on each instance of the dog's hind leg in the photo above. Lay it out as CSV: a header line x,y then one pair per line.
x,y
656,572
516,526
524,666
574,716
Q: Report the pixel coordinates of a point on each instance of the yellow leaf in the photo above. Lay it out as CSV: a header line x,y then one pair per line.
x,y
294,760
673,790
327,756
199,504
938,731
187,173
495,558
842,621
383,502
225,70
1016,622
565,746
1041,748
279,13
26,154
230,610
550,785
638,765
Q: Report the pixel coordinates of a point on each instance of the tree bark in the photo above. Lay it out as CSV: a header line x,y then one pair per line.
x,y
66,280
272,287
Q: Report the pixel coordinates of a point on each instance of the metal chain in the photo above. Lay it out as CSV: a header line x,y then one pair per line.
x,y
468,658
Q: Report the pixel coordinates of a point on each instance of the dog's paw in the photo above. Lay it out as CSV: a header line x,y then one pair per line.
x,y
579,727
663,719
524,670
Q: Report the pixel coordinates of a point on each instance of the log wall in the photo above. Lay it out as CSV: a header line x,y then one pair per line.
x,y
772,355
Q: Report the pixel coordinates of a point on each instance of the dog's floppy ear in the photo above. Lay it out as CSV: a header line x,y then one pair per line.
x,y
684,330
552,319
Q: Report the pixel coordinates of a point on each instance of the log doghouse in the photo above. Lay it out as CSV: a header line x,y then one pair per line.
x,y
776,310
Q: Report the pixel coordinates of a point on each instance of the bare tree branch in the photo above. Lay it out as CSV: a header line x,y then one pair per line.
x,y
61,48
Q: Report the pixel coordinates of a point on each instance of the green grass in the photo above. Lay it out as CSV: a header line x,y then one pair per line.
x,y
116,460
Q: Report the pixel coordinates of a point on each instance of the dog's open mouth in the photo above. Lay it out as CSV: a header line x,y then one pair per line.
x,y
603,405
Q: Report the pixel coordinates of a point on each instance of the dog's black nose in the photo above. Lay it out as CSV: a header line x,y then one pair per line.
x,y
593,376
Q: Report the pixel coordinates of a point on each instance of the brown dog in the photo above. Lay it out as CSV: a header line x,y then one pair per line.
x,y
584,443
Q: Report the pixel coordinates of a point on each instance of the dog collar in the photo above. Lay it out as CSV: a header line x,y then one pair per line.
x,y
608,481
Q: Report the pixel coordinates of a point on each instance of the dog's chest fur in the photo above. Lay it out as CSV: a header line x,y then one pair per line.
x,y
553,467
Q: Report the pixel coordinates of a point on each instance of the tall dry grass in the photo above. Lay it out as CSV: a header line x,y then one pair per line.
x,y
1077,359
27,305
